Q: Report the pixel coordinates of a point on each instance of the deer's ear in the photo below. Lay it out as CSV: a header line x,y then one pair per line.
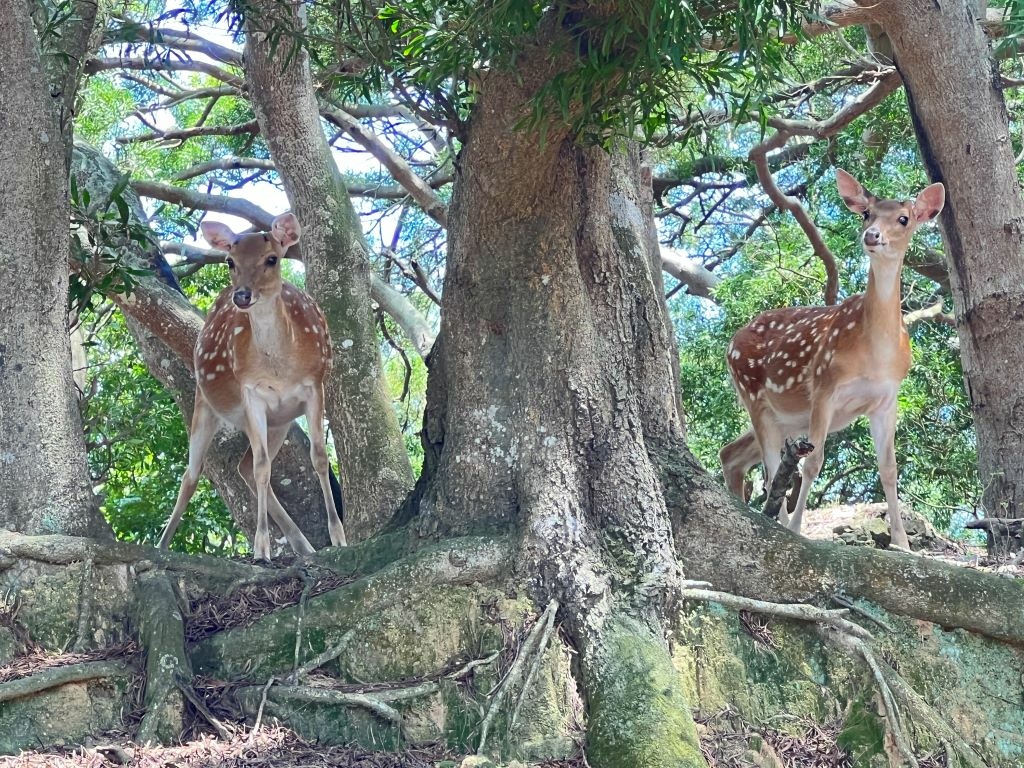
x,y
218,234
929,202
857,198
286,230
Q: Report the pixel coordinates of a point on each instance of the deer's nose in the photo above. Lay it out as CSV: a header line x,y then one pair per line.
x,y
872,236
242,298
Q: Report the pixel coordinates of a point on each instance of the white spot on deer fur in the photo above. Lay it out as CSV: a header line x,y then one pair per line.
x,y
789,382
818,370
307,329
785,355
760,329
850,325
750,362
211,376
238,329
219,368
735,354
347,344
771,324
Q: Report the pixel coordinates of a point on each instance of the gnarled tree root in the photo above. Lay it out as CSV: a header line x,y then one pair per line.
x,y
161,629
638,714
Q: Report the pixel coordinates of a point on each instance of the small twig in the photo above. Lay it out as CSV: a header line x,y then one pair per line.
x,y
849,605
799,611
202,709
465,670
783,480
514,674
259,711
328,655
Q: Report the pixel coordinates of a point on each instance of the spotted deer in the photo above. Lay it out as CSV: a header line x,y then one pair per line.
x,y
813,370
260,362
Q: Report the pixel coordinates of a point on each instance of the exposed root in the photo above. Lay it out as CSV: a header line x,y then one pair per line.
x,y
200,706
893,690
799,611
379,702
85,607
161,628
328,655
212,572
515,673
57,676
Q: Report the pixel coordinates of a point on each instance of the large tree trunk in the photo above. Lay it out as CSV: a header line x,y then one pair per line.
x,y
555,367
43,473
374,465
959,114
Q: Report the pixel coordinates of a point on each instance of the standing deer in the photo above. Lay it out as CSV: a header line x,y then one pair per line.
x,y
813,370
260,362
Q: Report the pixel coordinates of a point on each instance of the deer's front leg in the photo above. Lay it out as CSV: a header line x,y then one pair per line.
x,y
821,420
256,430
883,434
204,427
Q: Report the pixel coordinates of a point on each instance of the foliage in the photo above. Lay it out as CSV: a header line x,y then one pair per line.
x,y
104,238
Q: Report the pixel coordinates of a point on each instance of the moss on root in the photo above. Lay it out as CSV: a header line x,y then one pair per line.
x,y
638,715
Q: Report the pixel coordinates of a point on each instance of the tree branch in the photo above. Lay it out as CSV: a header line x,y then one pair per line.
x,y
785,129
418,189
99,64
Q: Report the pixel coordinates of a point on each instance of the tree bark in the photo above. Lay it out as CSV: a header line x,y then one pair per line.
x,y
44,486
554,367
959,114
374,466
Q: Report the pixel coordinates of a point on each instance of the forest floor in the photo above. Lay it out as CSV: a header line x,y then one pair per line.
x,y
725,740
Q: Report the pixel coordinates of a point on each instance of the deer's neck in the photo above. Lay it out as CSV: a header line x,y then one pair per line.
x,y
883,316
271,327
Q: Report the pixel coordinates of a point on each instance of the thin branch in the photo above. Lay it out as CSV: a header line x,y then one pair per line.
x,y
182,134
933,312
418,189
102,63
229,163
189,198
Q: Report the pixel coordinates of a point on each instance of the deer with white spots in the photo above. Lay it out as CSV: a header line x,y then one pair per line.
x,y
260,362
813,370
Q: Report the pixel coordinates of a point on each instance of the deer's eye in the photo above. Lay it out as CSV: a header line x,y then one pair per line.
x,y
231,263
867,215
903,220
271,261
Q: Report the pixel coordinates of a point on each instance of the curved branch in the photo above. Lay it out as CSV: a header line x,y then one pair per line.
x,y
419,190
188,198
785,129
100,64
178,39
188,133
